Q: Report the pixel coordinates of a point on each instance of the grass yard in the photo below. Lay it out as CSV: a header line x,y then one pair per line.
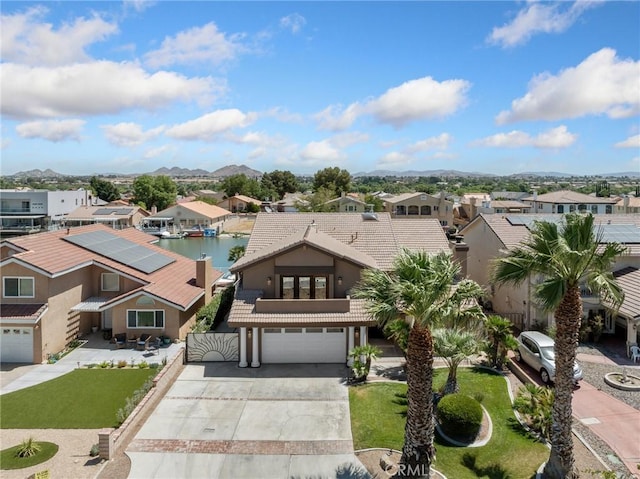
x,y
81,399
378,417
9,459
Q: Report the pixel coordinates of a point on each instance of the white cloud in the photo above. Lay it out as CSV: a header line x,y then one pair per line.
x,y
294,22
138,5
27,40
631,142
209,126
317,152
601,84
283,115
424,98
129,134
555,138
94,89
538,17
51,130
196,45
394,159
345,140
439,142
156,152
335,118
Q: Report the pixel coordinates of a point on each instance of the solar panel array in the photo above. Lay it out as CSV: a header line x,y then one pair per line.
x,y
121,250
113,211
617,233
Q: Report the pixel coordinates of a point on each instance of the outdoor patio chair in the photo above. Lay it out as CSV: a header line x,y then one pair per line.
x,y
120,340
143,342
635,353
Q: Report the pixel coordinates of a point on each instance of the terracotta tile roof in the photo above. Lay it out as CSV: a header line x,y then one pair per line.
x,y
205,209
634,201
406,196
629,281
105,212
242,314
247,199
568,197
379,239
48,252
30,312
509,204
312,237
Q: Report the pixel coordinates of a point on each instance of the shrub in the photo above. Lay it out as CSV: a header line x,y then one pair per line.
x,y
460,416
104,364
535,403
143,365
95,450
130,404
28,448
122,364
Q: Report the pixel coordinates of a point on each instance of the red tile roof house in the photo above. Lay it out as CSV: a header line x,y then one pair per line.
x,y
57,285
292,302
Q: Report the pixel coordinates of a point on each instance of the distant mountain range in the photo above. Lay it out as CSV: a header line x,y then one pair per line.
x,y
231,170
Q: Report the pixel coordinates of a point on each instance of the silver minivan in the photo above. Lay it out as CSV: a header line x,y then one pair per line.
x,y
537,350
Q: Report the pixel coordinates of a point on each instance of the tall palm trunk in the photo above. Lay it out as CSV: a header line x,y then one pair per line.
x,y
418,451
451,386
561,463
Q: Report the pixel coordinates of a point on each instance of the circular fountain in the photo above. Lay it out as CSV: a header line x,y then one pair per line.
x,y
623,380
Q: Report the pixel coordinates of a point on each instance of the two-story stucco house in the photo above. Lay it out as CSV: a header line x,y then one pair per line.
x,y
57,285
490,236
566,201
421,205
292,301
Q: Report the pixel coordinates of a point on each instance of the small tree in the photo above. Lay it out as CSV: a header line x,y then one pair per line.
x,y
454,346
500,340
534,403
236,252
362,357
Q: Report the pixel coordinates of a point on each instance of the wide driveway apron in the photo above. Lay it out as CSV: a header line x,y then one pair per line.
x,y
277,421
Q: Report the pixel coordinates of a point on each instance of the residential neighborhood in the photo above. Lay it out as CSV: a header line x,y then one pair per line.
x,y
102,275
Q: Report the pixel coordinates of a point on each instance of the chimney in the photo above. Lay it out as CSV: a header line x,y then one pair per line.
x,y
460,253
204,276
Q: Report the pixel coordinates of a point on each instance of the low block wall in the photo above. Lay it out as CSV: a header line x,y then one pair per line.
x,y
113,441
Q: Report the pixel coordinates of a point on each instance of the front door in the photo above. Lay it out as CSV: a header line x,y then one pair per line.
x,y
106,319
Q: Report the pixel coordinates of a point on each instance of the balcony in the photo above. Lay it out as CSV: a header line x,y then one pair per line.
x,y
335,305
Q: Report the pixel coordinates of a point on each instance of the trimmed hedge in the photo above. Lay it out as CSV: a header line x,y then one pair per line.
x,y
460,416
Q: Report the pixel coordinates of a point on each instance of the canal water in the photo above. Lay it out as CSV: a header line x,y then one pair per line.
x,y
218,248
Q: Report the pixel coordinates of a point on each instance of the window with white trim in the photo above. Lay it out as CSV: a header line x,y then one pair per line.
x,y
18,287
110,281
148,318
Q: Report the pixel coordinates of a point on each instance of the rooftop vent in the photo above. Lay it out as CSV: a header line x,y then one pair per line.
x,y
369,217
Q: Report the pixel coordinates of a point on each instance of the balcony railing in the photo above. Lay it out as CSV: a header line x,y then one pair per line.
x,y
334,305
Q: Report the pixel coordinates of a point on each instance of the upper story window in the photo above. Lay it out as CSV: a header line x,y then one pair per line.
x,y
582,208
145,318
18,287
425,210
560,209
608,209
572,208
594,209
110,282
303,287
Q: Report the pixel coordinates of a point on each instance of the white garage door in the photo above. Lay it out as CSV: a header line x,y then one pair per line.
x,y
304,345
16,345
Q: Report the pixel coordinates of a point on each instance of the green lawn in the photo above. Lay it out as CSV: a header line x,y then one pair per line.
x,y
81,399
378,416
9,459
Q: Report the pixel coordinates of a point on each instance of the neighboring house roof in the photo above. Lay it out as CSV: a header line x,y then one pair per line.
x,y
346,199
351,235
511,230
104,213
53,256
467,197
243,314
634,201
509,195
406,196
198,207
509,204
629,281
22,312
246,199
568,197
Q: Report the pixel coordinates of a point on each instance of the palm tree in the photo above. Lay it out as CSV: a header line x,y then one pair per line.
x,y
420,290
565,256
454,346
501,340
236,252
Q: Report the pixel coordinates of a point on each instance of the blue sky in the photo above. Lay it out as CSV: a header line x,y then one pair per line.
x,y
496,87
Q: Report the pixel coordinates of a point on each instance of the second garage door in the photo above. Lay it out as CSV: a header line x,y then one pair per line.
x,y
304,345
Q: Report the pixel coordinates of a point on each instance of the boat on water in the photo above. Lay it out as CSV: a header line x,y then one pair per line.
x,y
167,235
196,232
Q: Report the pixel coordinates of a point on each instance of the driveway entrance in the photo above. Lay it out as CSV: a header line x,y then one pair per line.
x,y
277,421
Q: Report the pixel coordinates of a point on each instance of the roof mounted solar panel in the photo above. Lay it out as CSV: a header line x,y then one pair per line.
x,y
121,250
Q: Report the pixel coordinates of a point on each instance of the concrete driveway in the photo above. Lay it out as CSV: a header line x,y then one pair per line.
x,y
277,421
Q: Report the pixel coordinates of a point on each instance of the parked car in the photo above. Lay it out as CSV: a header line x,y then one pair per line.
x,y
537,350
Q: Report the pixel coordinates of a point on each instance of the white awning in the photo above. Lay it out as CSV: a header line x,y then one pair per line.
x,y
91,305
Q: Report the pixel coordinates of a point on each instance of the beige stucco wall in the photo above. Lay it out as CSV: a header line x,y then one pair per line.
x,y
444,213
